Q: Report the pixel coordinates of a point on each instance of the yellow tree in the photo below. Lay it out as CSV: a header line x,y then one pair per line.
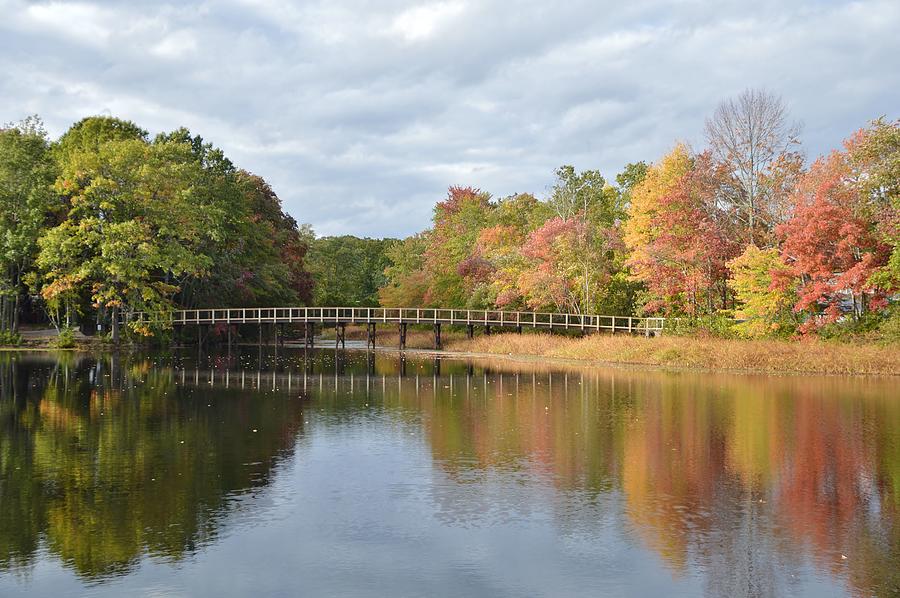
x,y
764,289
641,228
676,236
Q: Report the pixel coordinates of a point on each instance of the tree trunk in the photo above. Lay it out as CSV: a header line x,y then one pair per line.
x,y
115,325
15,314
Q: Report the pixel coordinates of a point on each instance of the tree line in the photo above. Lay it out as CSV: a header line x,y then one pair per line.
x,y
106,221
742,229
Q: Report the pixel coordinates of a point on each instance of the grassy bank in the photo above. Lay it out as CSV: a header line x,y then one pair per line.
x,y
807,356
810,356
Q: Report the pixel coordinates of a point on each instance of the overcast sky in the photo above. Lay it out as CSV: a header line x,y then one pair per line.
x,y
362,113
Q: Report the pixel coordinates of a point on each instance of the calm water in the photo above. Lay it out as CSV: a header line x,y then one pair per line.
x,y
356,475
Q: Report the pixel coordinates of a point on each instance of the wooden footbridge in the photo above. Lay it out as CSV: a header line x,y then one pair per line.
x,y
340,317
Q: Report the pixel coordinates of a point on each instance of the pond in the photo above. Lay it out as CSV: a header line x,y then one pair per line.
x,y
328,473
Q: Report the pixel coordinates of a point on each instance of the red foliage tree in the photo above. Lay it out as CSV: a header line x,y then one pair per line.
x,y
457,222
684,264
547,283
831,247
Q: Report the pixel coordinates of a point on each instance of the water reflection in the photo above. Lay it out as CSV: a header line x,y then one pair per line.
x,y
106,463
741,484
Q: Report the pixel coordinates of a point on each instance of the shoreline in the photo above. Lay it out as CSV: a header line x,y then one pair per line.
x,y
524,358
670,354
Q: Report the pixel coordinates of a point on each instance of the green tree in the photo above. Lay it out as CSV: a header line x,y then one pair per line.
x,y
27,171
874,157
348,270
88,134
632,174
585,195
589,252
130,229
258,250
406,278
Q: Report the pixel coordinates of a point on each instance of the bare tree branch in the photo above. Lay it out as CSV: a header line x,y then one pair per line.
x,y
752,137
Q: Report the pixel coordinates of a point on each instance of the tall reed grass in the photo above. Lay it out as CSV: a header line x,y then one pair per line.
x,y
771,356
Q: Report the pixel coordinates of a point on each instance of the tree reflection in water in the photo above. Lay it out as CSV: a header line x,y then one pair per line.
x,y
738,479
107,462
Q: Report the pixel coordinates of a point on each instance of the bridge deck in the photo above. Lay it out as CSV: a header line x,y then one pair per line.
x,y
385,315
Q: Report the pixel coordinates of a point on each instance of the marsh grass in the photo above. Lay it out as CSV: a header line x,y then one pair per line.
x,y
812,356
771,356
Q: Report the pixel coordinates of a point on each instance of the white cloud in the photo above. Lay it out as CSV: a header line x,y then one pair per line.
x,y
176,45
82,22
421,22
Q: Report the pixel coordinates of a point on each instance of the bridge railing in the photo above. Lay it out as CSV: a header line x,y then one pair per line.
x,y
401,315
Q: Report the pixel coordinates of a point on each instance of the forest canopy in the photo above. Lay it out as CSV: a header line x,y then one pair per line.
x,y
106,221
739,231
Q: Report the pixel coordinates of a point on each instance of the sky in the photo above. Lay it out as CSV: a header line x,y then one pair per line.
x,y
362,113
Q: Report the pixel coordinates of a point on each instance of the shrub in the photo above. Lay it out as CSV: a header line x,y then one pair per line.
x,y
8,338
720,325
66,339
850,329
889,329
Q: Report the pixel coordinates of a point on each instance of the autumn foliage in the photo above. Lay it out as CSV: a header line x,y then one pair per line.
x,y
831,249
106,221
678,247
680,237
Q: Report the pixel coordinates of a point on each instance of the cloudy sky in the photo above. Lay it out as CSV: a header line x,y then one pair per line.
x,y
361,113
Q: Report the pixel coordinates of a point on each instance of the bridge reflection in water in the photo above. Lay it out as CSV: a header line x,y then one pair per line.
x,y
733,485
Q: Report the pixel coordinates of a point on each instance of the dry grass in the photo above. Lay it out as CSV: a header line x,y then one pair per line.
x,y
771,356
807,356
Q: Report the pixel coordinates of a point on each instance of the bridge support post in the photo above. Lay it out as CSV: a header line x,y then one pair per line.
x,y
487,329
437,336
519,329
402,328
470,331
309,333
370,335
339,333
